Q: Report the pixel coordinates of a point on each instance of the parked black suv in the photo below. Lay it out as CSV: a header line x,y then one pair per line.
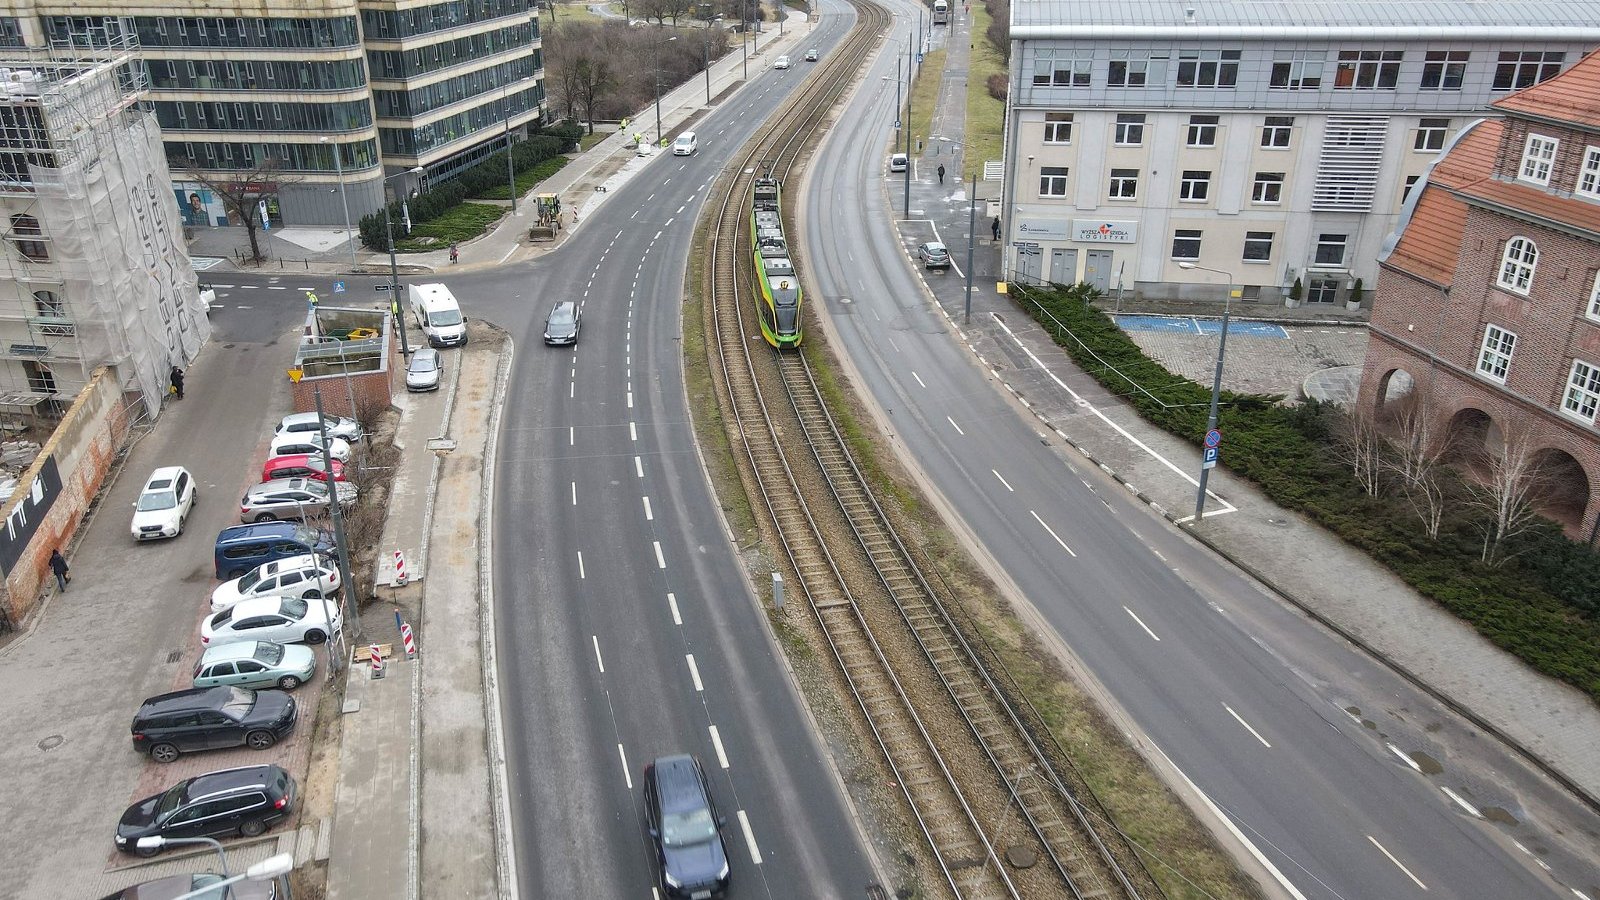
x,y
245,801
686,829
211,719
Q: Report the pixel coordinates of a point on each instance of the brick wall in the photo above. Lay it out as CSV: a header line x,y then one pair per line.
x,y
84,447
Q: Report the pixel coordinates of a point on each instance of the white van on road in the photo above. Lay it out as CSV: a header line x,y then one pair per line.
x,y
438,315
685,145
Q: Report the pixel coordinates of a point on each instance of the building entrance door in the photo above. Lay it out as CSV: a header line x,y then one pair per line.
x,y
1097,270
1064,265
1028,259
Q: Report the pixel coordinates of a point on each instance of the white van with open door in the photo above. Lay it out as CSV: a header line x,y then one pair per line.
x,y
438,315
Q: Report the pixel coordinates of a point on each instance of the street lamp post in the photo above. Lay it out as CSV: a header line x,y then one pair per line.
x,y
156,842
705,60
511,172
394,267
344,197
658,42
269,869
972,239
1216,384
346,585
911,79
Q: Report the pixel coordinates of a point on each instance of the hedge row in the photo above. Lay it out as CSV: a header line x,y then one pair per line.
x,y
1541,606
477,181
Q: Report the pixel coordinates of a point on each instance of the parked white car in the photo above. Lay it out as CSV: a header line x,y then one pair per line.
x,y
286,620
304,576
291,443
163,506
306,422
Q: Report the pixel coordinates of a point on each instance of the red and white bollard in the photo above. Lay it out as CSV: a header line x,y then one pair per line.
x,y
375,656
401,579
408,640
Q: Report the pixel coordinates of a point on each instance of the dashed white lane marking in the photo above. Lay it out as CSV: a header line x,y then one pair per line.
x,y
574,493
750,838
572,435
597,660
215,285
625,773
648,515
1461,802
1403,757
716,741
638,467
580,564
661,561
1146,628
1240,719
918,378
694,672
1158,554
250,287
671,220
1398,864
630,399
633,432
1052,533
1004,481
672,601
954,425
276,287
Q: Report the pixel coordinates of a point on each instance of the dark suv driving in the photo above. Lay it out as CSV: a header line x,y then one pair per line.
x,y
686,829
211,719
245,801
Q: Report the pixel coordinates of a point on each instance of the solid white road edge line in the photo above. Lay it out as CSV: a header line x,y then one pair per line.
x,y
1399,865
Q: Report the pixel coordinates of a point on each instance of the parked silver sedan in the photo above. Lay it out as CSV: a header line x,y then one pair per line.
x,y
290,498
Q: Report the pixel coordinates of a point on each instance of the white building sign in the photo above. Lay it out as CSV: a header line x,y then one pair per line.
x,y
1041,229
1099,231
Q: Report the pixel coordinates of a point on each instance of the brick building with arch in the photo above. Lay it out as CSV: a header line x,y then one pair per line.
x,y
1488,303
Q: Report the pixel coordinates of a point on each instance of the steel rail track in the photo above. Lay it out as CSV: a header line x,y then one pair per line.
x,y
962,848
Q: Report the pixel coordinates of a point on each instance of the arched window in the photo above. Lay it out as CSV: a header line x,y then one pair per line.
x,y
1516,266
24,230
49,305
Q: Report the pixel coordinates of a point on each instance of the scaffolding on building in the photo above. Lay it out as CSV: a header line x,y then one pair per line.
x,y
98,271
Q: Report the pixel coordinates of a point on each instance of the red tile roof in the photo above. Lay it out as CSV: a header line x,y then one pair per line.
x,y
1431,242
1573,96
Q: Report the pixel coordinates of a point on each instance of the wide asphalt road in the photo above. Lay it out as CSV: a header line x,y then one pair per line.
x,y
1247,698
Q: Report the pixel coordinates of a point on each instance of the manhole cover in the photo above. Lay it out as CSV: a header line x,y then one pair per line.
x,y
52,742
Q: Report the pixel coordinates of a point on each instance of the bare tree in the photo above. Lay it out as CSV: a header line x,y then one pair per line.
x,y
1507,489
242,192
1418,446
1359,443
594,80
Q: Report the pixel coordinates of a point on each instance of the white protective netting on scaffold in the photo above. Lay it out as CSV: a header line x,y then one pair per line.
x,y
117,239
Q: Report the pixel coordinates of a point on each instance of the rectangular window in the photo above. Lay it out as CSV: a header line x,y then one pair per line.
x,y
1537,156
1589,174
1208,68
1257,246
1583,391
1276,132
1368,70
1268,188
1057,128
1330,250
1494,360
1594,299
1128,70
1203,131
1124,184
1444,70
1297,70
1195,185
1411,182
1071,69
1130,129
1517,70
1185,244
1431,134
1053,181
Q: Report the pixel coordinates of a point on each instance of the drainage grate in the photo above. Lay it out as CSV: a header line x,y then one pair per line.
x,y
174,656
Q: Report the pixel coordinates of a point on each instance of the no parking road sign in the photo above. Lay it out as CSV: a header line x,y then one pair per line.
x,y
1213,441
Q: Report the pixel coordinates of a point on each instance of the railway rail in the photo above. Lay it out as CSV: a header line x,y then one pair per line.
x,y
1017,795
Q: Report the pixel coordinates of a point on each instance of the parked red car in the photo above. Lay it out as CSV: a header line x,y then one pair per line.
x,y
301,465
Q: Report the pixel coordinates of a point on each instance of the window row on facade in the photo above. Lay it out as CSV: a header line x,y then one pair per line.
x,y
1193,186
278,157
1538,162
399,104
1203,131
417,141
256,75
1257,247
1290,69
416,61
383,24
1580,397
183,115
210,31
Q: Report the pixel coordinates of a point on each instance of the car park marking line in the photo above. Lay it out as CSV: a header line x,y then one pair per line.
x,y
955,426
1398,864
1052,533
598,661
661,561
749,838
648,514
580,565
1153,635
1461,802
1240,719
672,601
508,253
638,467
1004,481
716,741
1403,757
918,378
694,672
627,775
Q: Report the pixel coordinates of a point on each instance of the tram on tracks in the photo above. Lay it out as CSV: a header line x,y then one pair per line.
x,y
779,283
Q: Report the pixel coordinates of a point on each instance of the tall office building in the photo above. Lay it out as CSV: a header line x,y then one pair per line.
x,y
268,93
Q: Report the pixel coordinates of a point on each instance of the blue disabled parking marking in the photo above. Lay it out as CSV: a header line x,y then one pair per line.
x,y
1247,329
1161,323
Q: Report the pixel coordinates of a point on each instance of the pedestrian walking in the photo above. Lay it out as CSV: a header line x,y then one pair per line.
x,y
996,229
176,377
58,565
454,254
941,174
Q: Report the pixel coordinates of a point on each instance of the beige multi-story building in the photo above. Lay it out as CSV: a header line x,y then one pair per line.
x,y
1270,142
267,92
